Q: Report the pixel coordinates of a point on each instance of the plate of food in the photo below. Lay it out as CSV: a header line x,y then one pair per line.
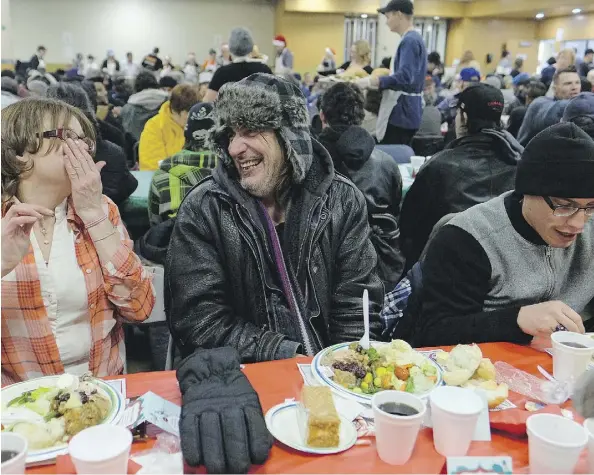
x,y
358,374
49,410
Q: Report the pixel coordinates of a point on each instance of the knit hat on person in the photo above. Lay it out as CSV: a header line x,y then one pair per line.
x,y
580,105
37,87
199,123
241,42
521,79
558,162
10,85
259,103
168,81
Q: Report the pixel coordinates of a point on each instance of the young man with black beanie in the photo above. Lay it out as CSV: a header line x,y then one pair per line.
x,y
519,265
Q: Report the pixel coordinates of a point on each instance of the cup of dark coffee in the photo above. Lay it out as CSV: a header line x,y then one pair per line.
x,y
14,453
398,417
572,353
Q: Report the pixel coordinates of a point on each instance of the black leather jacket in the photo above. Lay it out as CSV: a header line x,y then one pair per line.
x,y
377,175
220,291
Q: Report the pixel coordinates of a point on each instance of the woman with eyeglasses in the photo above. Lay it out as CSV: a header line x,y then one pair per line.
x,y
69,275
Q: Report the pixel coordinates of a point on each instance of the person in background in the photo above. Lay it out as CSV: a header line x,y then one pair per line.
x,y
373,100
118,183
435,67
90,66
328,64
37,61
204,79
225,57
168,67
509,93
284,56
120,92
374,172
257,56
10,91
504,66
468,61
130,68
449,106
110,65
152,62
545,111
241,45
590,78
476,167
580,111
586,86
271,254
142,105
360,58
518,67
430,96
109,126
191,69
547,73
167,83
587,65
69,275
519,265
179,173
533,90
163,135
211,62
78,62
565,60
402,104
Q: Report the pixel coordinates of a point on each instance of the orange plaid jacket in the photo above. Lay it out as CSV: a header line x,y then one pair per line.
x,y
29,348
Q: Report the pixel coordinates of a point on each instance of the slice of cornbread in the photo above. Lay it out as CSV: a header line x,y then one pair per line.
x,y
323,423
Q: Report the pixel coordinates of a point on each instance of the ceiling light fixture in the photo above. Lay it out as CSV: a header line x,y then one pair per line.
x,y
364,15
539,16
575,11
436,18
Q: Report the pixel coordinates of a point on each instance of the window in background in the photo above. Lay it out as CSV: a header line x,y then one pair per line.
x,y
434,33
358,28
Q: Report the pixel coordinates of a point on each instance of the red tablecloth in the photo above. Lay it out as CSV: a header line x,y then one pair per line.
x,y
277,380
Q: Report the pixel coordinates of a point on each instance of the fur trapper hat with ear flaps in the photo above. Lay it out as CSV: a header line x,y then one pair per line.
x,y
260,103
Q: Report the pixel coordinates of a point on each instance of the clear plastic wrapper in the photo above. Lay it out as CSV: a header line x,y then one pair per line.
x,y
164,457
549,392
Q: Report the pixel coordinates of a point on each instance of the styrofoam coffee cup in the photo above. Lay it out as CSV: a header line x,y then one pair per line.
x,y
396,436
454,414
568,362
554,443
101,449
589,426
15,443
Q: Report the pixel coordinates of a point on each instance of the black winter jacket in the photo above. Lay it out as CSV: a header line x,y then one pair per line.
x,y
219,290
377,175
472,169
118,183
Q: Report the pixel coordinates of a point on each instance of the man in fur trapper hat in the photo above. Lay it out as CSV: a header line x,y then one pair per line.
x,y
522,264
271,254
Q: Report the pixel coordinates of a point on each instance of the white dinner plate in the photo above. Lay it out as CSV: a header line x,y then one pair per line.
x,y
282,422
322,376
41,456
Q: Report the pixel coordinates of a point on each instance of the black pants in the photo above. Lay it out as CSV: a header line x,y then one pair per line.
x,y
398,136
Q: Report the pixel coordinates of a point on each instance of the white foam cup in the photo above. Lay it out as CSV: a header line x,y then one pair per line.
x,y
101,449
454,414
589,426
554,443
396,436
15,443
568,362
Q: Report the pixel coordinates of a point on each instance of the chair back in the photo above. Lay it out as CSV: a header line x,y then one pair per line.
x,y
400,153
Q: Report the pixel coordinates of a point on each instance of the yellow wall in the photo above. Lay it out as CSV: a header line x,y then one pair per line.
x,y
308,35
484,36
575,27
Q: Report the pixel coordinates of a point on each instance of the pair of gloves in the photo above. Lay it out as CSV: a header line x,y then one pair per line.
x,y
222,425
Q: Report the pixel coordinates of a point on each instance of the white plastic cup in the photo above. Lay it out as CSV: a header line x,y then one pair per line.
x,y
101,449
570,363
589,426
416,162
17,443
554,443
396,436
454,414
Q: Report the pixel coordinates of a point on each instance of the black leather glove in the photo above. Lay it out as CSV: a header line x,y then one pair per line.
x,y
222,425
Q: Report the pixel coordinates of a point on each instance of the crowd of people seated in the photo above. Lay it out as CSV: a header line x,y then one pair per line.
x,y
272,208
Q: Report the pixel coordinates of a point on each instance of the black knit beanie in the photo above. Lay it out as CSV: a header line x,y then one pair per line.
x,y
558,162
